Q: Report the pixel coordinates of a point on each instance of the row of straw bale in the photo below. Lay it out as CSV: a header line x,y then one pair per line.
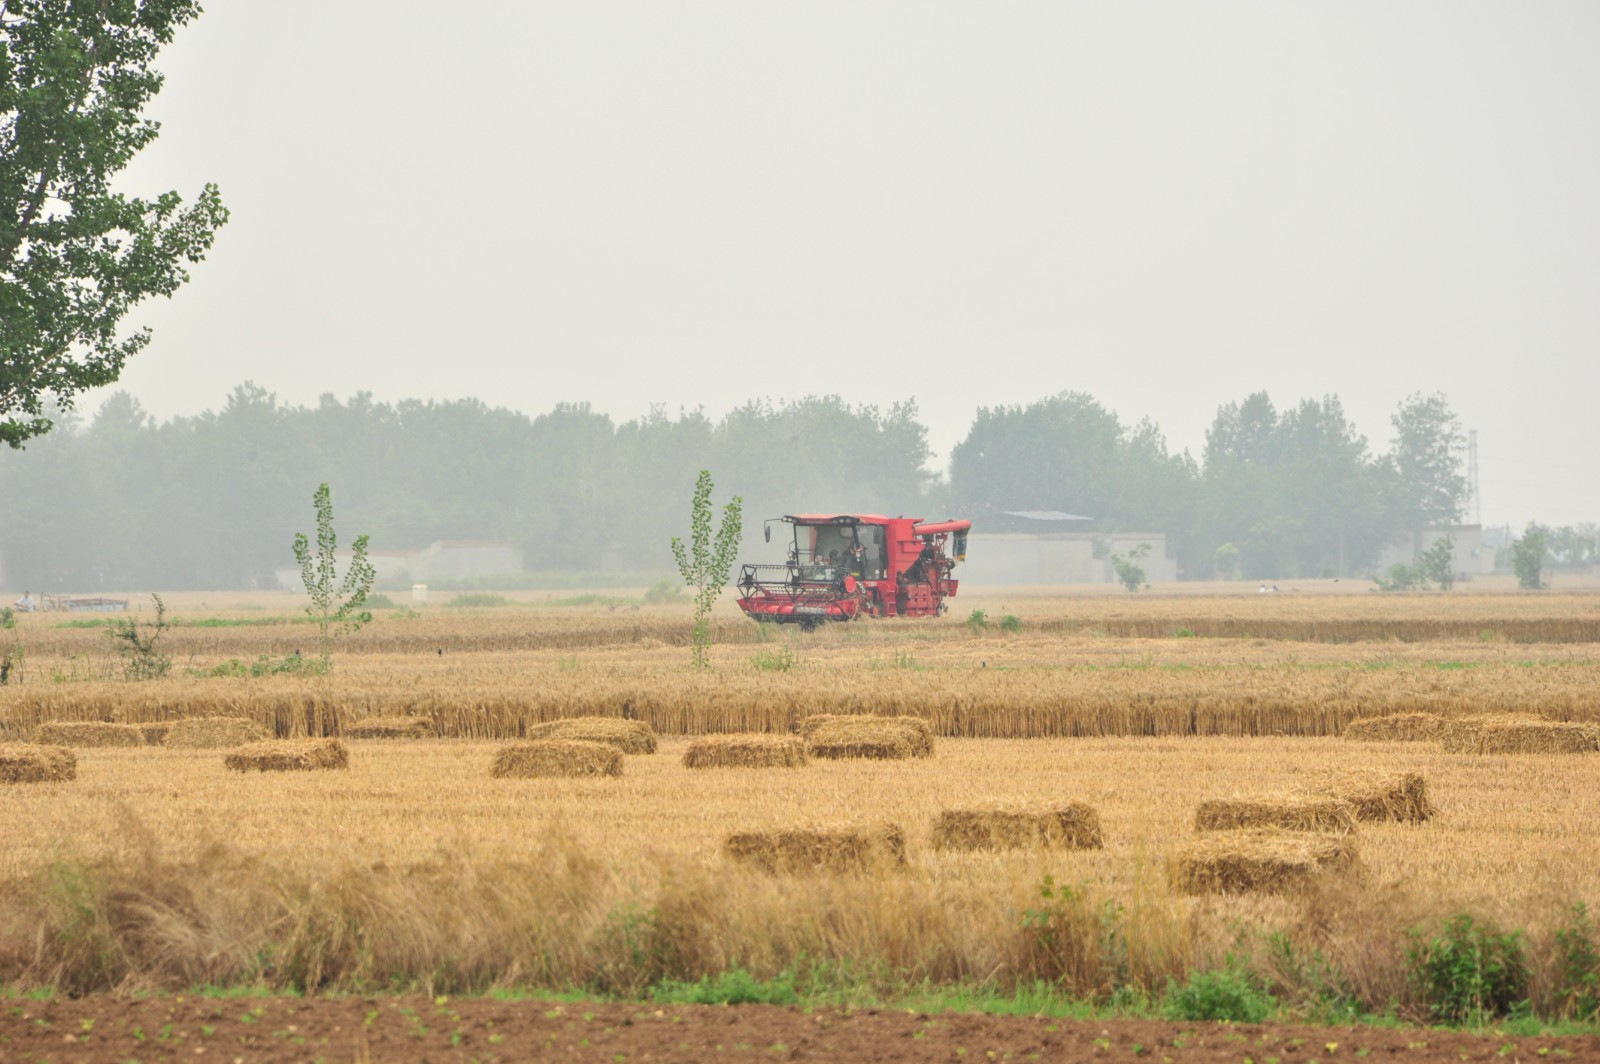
x,y
1481,733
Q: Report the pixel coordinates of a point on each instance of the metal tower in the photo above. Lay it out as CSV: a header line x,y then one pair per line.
x,y
1472,477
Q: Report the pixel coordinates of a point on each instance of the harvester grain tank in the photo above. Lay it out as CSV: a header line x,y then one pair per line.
x,y
844,566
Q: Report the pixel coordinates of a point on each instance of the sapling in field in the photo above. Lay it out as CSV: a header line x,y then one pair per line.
x,y
335,606
705,564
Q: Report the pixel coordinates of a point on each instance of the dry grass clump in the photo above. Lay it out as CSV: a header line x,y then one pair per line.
x,y
29,763
1396,728
390,727
1376,795
211,733
541,758
879,738
745,751
87,733
629,736
1288,812
922,731
1525,737
1073,826
1261,859
289,755
155,734
803,850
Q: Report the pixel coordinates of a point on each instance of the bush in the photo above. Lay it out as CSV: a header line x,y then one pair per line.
x,y
1468,973
468,599
736,987
780,660
664,593
1577,987
1011,623
380,601
1224,994
978,620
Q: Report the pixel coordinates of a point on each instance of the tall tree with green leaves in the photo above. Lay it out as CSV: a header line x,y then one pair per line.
x,y
75,255
705,563
335,606
1428,457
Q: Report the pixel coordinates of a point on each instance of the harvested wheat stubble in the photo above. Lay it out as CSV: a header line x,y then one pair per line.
x,y
1376,795
29,763
1289,812
289,755
155,734
1396,728
1262,859
557,757
921,740
211,733
880,739
803,850
1073,826
629,736
87,733
390,728
745,751
1529,737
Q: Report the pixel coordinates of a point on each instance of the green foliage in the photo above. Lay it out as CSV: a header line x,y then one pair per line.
x,y
1077,941
1468,973
1401,577
8,618
1438,563
978,620
1129,573
380,602
1430,482
735,987
76,255
705,564
336,607
1527,558
781,660
1577,976
141,660
477,599
663,593
1011,623
1226,993
1182,632
264,665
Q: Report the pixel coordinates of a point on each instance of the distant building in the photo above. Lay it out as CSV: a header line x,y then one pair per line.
x,y
1473,556
444,559
998,558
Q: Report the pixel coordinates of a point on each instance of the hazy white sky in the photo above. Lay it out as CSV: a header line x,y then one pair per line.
x,y
1167,206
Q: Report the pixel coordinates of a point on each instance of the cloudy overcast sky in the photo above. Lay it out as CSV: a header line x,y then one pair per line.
x,y
1167,206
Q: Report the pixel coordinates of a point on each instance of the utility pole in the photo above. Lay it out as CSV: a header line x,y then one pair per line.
x,y
1472,477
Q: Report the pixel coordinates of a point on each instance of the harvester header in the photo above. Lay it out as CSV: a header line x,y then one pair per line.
x,y
844,566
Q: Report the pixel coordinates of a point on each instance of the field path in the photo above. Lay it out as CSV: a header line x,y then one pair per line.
x,y
246,1029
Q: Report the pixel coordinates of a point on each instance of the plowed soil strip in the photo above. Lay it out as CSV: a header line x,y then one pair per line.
x,y
105,1029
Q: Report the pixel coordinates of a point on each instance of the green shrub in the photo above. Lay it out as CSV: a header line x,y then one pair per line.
x,y
978,620
1011,623
780,660
1224,994
468,599
664,593
380,601
1577,988
736,987
1468,973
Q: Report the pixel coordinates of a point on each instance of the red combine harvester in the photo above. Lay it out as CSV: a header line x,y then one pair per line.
x,y
843,566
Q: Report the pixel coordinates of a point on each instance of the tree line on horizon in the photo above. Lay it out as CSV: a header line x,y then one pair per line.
x,y
122,501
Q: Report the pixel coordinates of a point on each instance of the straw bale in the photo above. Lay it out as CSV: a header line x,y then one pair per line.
x,y
1376,795
390,727
879,738
629,736
1396,728
155,733
1261,859
921,741
557,757
82,733
289,755
212,733
31,763
1073,826
745,751
819,849
1460,735
1289,812
1536,737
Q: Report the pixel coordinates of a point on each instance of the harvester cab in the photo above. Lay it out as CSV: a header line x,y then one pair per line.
x,y
844,566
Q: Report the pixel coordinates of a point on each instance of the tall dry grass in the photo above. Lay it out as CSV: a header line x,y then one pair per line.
x,y
436,876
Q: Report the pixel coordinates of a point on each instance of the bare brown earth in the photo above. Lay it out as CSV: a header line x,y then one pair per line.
x,y
107,1029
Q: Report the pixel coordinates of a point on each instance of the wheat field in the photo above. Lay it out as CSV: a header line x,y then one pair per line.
x,y
416,867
